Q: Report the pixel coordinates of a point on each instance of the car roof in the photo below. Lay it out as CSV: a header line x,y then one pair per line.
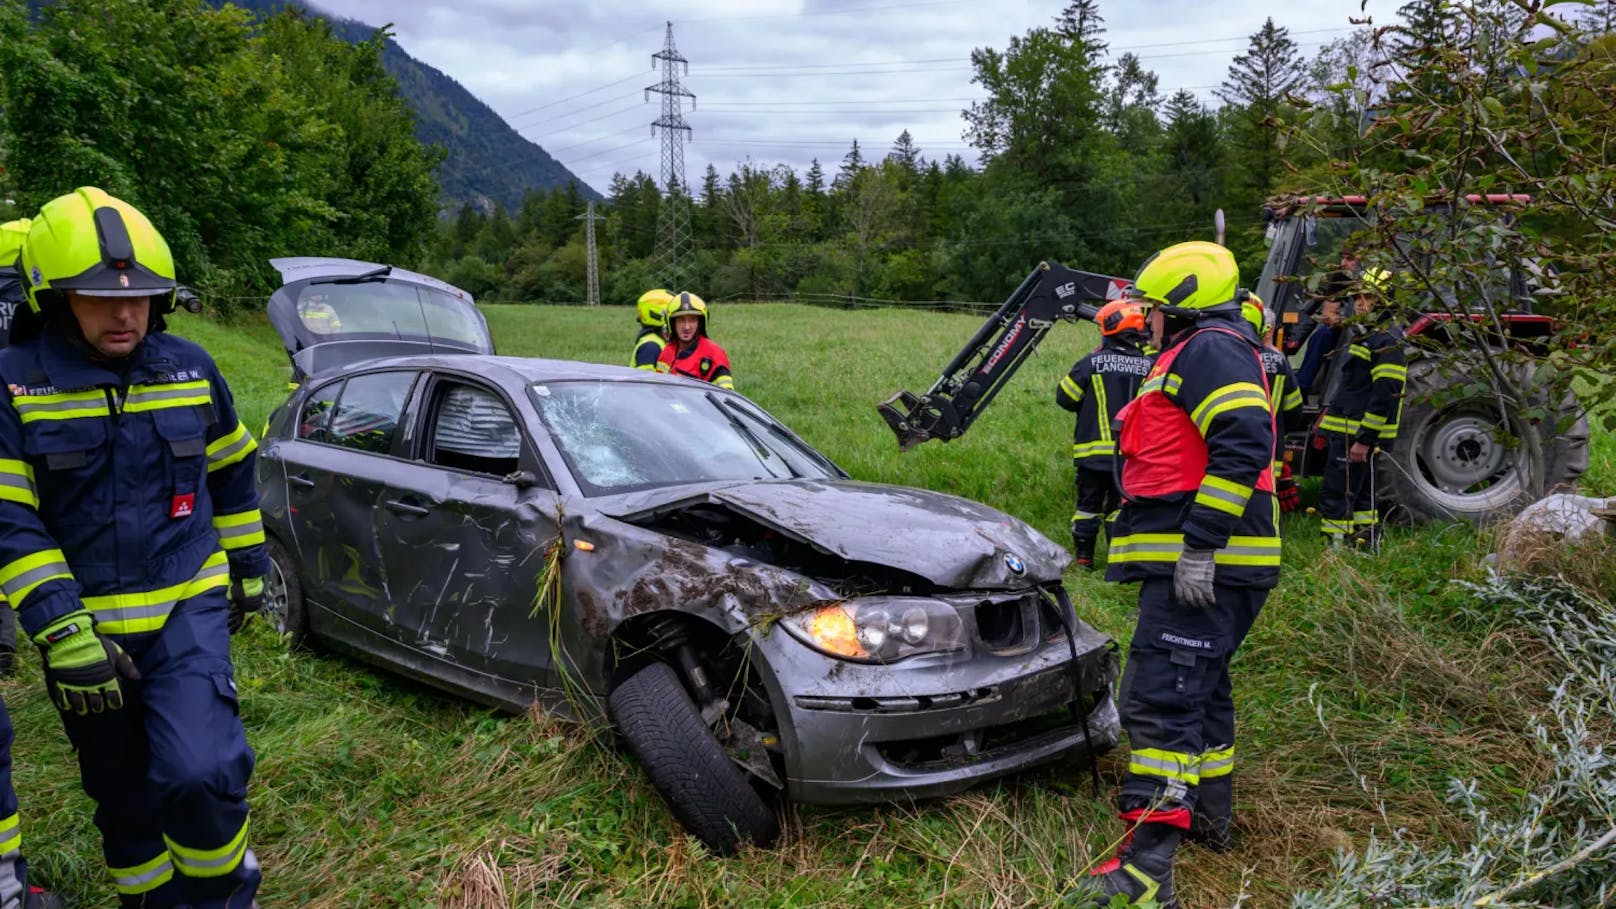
x,y
510,370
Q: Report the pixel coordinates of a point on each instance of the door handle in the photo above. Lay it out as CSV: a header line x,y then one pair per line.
x,y
301,480
408,508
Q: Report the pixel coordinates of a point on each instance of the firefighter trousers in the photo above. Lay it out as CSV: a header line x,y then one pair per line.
x,y
169,771
13,870
1346,497
1097,497
1177,697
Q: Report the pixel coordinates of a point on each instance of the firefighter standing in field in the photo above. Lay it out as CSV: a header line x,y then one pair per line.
x,y
11,296
1284,394
1198,529
1362,417
1097,387
689,351
14,890
131,511
651,315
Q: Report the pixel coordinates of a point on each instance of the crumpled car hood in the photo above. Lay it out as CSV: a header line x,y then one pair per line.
x,y
952,542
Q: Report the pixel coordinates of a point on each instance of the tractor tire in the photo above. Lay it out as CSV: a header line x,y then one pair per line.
x,y
1451,460
710,796
283,597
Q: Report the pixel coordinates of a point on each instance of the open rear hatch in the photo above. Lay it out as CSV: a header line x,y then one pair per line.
x,y
332,312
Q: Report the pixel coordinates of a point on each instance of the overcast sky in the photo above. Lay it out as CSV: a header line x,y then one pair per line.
x,y
789,80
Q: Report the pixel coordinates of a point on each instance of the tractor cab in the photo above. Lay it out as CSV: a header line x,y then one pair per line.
x,y
333,312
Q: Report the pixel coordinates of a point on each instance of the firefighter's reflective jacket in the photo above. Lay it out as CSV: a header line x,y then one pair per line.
x,y
1368,399
647,348
1099,386
127,491
1283,391
1197,446
702,360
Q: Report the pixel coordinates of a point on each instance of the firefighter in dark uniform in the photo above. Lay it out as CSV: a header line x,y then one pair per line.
x,y
651,335
1198,529
689,351
11,296
1284,394
1097,387
131,511
1362,417
15,893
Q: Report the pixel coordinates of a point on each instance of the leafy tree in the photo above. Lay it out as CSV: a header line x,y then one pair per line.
x,y
240,145
1525,107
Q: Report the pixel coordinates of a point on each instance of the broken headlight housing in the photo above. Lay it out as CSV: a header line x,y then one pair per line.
x,y
879,629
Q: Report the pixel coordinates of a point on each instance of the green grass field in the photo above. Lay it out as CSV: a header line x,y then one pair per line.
x,y
1364,688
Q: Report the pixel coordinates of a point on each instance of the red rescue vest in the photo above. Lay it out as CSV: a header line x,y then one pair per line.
x,y
1163,453
703,360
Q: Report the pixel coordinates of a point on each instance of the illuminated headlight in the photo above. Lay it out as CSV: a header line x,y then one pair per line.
x,y
879,629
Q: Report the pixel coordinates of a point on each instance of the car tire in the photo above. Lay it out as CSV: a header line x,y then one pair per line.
x,y
709,795
283,597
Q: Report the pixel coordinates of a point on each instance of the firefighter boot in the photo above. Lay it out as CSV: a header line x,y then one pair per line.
x,y
37,898
1141,871
1083,551
1212,824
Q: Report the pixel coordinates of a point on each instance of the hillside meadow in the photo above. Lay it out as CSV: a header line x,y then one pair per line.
x,y
1365,687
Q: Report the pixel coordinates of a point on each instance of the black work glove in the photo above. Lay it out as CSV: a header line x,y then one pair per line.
x,y
82,668
1193,577
246,597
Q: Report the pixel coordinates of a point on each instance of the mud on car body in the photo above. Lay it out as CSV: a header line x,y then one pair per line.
x,y
663,553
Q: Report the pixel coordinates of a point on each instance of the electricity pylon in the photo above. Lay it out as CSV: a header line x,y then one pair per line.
x,y
674,243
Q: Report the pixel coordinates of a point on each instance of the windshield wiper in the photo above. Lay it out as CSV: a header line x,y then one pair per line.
x,y
372,275
759,450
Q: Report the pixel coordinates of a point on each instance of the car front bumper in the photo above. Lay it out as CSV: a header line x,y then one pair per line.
x,y
934,726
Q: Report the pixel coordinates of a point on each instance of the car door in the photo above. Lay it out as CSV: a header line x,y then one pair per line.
x,y
343,450
465,542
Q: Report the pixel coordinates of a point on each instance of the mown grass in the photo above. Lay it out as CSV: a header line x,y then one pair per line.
x,y
1365,686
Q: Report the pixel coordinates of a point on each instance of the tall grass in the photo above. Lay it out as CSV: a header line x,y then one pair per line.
x,y
371,791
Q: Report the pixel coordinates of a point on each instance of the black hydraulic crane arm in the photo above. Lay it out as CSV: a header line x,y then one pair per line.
x,y
977,373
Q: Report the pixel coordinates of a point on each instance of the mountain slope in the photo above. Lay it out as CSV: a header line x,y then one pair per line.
x,y
488,161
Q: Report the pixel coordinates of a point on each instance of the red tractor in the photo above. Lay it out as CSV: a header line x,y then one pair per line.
x,y
1452,458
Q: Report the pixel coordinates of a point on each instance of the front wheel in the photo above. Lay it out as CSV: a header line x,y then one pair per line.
x,y
1453,459
283,597
709,795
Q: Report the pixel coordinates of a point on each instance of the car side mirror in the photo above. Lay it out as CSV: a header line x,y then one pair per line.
x,y
522,479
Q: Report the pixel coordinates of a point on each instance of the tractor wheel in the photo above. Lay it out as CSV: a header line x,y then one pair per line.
x,y
1452,459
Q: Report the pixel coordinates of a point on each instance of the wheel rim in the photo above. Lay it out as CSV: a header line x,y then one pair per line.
x,y
275,608
1462,463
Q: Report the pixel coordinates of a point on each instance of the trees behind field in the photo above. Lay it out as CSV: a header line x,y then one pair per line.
x,y
241,142
1078,158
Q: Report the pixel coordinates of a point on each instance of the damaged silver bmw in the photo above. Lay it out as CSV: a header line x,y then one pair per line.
x,y
653,550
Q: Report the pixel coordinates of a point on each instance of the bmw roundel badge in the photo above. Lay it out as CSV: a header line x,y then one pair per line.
x,y
1015,564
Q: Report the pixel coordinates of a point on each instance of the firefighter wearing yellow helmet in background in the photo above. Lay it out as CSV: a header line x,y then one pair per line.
x,y
651,334
689,351
1198,529
128,511
1095,389
1284,394
1362,416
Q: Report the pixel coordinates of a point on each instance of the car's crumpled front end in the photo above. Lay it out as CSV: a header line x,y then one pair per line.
x,y
1006,697
935,652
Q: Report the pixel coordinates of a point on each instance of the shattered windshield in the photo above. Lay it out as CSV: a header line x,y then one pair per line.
x,y
618,436
395,309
